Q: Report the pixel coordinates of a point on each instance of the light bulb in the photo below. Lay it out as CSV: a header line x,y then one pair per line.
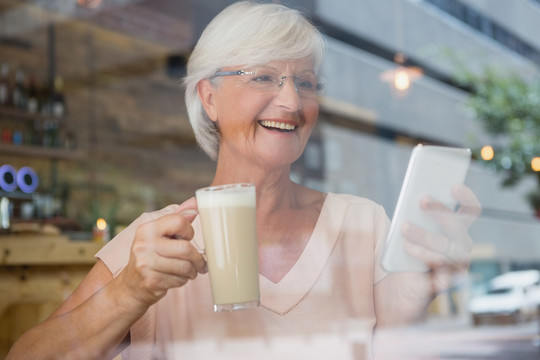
x,y
535,164
402,80
487,153
101,224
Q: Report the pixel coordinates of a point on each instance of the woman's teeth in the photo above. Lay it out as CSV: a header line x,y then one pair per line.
x,y
277,125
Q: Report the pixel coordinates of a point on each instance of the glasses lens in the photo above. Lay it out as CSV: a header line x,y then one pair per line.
x,y
265,79
308,85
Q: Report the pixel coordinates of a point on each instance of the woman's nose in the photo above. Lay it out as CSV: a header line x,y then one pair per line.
x,y
287,95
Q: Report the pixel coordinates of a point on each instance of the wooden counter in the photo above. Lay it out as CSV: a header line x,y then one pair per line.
x,y
37,272
46,250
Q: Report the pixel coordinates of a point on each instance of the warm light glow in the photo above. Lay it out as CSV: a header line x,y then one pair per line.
x,y
401,77
101,224
487,153
535,164
402,80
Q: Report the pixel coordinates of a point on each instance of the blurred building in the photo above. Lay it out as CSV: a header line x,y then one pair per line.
x,y
368,127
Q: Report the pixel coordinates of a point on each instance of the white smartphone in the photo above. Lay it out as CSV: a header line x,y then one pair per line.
x,y
432,171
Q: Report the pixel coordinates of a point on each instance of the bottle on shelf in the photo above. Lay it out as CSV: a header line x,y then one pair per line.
x,y
18,134
20,92
45,99
5,86
67,139
50,133
29,134
59,109
7,134
32,104
36,133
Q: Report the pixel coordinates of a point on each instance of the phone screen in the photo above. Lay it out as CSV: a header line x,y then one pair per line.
x,y
432,171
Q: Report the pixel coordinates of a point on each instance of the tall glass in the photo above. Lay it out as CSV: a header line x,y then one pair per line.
x,y
229,226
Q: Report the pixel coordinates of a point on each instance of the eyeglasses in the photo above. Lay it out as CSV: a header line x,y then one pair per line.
x,y
307,84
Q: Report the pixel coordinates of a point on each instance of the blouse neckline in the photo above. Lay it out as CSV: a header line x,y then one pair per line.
x,y
283,296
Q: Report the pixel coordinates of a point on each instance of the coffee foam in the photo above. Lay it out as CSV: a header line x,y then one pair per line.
x,y
229,197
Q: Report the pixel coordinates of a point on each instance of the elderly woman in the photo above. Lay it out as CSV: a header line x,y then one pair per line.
x,y
251,93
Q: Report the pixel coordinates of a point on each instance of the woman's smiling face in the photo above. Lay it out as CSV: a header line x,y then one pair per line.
x,y
260,120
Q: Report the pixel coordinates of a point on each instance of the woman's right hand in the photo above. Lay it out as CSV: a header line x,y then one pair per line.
x,y
162,257
104,308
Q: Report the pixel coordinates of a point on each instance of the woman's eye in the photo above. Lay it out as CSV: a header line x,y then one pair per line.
x,y
264,78
306,84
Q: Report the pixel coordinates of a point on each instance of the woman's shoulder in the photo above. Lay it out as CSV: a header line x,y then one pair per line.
x,y
355,204
358,211
317,199
349,199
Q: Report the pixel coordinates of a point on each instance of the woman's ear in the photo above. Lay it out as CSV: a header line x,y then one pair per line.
x,y
206,92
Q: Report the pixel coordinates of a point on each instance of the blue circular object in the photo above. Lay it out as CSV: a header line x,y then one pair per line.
x,y
8,178
27,180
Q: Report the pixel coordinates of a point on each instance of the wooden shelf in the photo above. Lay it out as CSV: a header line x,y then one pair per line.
x,y
21,115
17,195
17,115
46,250
42,152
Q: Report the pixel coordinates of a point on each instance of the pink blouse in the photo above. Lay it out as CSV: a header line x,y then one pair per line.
x,y
323,308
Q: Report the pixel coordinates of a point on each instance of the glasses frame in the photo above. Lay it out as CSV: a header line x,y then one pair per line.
x,y
320,86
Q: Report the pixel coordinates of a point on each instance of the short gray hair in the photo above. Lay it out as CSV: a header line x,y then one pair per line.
x,y
245,34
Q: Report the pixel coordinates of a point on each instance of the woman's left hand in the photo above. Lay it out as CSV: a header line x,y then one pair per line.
x,y
448,252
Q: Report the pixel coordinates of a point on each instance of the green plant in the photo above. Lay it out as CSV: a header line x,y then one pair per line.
x,y
508,107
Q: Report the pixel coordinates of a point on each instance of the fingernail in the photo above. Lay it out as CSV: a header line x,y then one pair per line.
x,y
188,212
427,201
407,228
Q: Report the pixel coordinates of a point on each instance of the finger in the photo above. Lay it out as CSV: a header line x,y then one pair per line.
x,y
177,267
458,253
444,216
172,281
190,204
470,206
160,282
183,250
430,258
170,225
435,260
453,224
432,205
435,249
424,238
441,279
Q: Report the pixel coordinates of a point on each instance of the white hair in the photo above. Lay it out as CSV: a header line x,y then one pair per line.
x,y
245,33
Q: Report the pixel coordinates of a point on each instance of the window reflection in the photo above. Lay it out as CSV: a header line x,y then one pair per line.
x,y
103,124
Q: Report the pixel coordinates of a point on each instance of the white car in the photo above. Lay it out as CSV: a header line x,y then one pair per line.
x,y
514,296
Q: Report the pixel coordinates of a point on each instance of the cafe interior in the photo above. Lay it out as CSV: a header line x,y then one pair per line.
x,y
94,132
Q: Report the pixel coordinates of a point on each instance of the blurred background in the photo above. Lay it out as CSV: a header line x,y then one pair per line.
x,y
93,131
